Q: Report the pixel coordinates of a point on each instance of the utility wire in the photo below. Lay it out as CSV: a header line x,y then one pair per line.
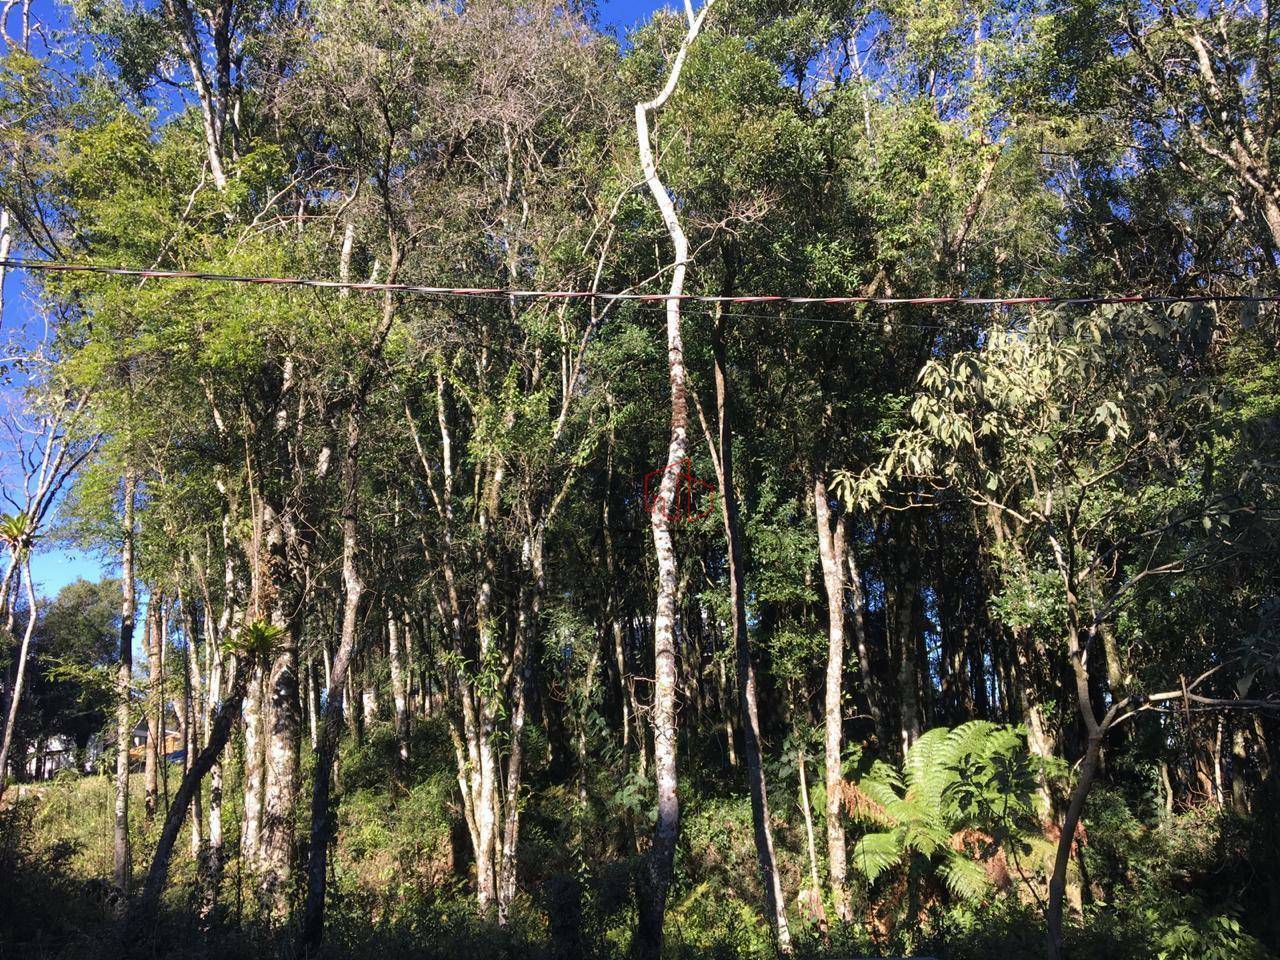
x,y
53,266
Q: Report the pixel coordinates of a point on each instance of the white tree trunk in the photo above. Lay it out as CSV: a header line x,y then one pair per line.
x,y
16,695
815,882
212,869
6,243
154,706
254,775
831,548
661,860
399,691
124,684
280,776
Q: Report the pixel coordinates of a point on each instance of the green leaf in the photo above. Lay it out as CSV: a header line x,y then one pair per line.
x,y
965,878
875,853
258,638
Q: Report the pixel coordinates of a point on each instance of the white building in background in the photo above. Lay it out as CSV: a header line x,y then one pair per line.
x,y
51,754
46,757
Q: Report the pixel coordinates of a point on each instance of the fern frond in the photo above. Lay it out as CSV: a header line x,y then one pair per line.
x,y
877,852
976,737
1006,740
1038,848
964,878
863,805
925,837
885,775
907,811
964,801
919,766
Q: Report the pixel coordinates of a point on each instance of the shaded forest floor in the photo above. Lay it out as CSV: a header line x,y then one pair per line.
x,y
1189,886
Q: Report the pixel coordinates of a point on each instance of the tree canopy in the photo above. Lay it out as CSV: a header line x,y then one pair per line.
x,y
787,478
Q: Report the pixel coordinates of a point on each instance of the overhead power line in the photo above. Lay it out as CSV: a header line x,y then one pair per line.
x,y
54,266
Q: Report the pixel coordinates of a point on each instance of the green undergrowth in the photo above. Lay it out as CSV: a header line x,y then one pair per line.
x,y
1180,888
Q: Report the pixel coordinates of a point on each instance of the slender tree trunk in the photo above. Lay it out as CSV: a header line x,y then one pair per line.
x,y
124,685
906,599
1167,786
580,715
626,688
1239,786
1039,734
481,724
1096,731
280,776
806,811
314,703
6,243
220,731
214,633
211,872
212,106
661,858
644,739
1062,858
1219,764
631,714
488,813
775,903
353,585
831,549
253,772
620,666
647,944
522,681
976,657
399,692
15,696
927,712
162,642
413,669
468,774
355,720
155,703
191,723
866,665
506,854
728,708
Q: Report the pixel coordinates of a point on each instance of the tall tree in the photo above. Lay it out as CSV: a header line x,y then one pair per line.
x,y
656,882
124,688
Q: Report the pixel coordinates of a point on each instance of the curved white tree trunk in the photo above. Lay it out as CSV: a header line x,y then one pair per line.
x,y
661,860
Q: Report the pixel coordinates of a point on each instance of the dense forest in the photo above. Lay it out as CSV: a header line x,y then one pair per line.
x,y
794,477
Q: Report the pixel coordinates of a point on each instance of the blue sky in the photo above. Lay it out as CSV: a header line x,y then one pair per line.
x,y
627,13
54,568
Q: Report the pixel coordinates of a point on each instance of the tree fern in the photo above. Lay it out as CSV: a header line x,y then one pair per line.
x,y
963,797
